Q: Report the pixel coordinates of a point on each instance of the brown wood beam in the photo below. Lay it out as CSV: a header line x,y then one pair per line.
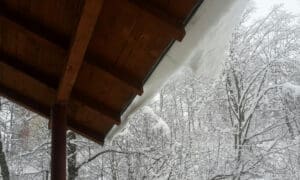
x,y
19,65
20,28
79,129
171,21
30,26
24,101
51,83
25,28
108,112
120,76
44,111
44,81
78,48
36,106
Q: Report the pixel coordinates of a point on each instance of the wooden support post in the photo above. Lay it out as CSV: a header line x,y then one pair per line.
x,y
58,153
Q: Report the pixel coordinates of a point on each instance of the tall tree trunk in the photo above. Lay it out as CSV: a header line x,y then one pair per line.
x,y
287,109
3,163
72,170
289,126
114,172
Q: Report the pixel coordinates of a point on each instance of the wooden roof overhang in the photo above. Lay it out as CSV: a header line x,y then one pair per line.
x,y
94,54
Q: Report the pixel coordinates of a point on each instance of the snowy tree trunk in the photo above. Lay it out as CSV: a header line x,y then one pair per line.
x,y
114,173
3,163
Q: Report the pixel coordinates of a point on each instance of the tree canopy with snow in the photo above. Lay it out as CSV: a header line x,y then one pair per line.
x,y
243,124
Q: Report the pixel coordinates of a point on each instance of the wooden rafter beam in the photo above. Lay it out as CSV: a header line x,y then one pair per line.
x,y
19,65
53,41
29,103
78,48
44,111
19,27
123,78
44,82
99,107
95,136
30,26
171,21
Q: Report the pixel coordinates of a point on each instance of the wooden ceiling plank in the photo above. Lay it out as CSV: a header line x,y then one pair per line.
x,y
129,81
25,28
78,48
17,26
171,21
33,27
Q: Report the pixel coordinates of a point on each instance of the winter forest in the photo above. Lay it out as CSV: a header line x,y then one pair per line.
x,y
243,124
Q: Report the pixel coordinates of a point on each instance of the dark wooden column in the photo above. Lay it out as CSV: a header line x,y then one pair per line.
x,y
58,153
75,59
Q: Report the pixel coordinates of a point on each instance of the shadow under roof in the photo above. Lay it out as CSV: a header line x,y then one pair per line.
x,y
94,54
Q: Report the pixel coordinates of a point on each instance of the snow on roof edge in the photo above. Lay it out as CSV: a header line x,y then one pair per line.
x,y
203,50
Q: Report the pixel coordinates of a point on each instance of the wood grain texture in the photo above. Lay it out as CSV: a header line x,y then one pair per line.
x,y
96,53
176,27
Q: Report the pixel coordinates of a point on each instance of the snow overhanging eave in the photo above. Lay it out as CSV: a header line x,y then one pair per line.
x,y
203,50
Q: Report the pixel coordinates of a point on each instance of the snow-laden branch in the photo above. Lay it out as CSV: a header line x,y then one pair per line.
x,y
112,151
46,143
257,101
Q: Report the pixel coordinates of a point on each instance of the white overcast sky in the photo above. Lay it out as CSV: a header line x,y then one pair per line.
x,y
263,6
